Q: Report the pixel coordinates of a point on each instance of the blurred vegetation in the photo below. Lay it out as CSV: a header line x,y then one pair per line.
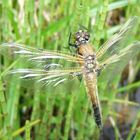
x,y
28,111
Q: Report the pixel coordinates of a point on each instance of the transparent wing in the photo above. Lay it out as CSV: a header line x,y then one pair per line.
x,y
46,77
117,42
52,71
39,55
116,63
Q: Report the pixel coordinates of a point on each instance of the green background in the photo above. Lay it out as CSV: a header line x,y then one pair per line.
x,y
30,111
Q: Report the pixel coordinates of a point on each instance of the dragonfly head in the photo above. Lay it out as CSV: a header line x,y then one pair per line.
x,y
81,37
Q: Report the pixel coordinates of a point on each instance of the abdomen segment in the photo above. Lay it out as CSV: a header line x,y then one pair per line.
x,y
91,86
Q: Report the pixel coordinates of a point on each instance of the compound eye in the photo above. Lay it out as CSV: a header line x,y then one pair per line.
x,y
78,34
87,37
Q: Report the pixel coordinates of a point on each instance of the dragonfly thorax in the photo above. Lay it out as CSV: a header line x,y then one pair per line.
x,y
91,63
82,37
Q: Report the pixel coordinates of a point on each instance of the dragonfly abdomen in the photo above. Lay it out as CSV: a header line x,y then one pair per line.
x,y
91,86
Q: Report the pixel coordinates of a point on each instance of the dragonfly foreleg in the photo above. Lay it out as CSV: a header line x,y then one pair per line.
x,y
100,69
70,43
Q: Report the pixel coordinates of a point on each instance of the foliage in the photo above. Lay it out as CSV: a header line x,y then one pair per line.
x,y
28,111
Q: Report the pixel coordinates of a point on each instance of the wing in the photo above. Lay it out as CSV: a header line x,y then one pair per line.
x,y
117,42
46,77
116,63
115,53
51,72
40,55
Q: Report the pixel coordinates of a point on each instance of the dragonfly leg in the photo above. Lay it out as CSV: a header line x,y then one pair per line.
x,y
71,44
99,70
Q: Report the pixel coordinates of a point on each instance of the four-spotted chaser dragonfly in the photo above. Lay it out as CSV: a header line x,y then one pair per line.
x,y
90,62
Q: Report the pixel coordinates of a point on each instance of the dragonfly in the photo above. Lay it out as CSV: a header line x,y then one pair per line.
x,y
89,63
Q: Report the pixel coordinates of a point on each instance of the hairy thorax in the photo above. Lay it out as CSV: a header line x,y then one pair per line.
x,y
90,61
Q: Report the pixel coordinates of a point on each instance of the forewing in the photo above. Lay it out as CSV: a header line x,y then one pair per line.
x,y
40,55
117,42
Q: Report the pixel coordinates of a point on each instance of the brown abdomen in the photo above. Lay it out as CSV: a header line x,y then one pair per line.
x,y
91,86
